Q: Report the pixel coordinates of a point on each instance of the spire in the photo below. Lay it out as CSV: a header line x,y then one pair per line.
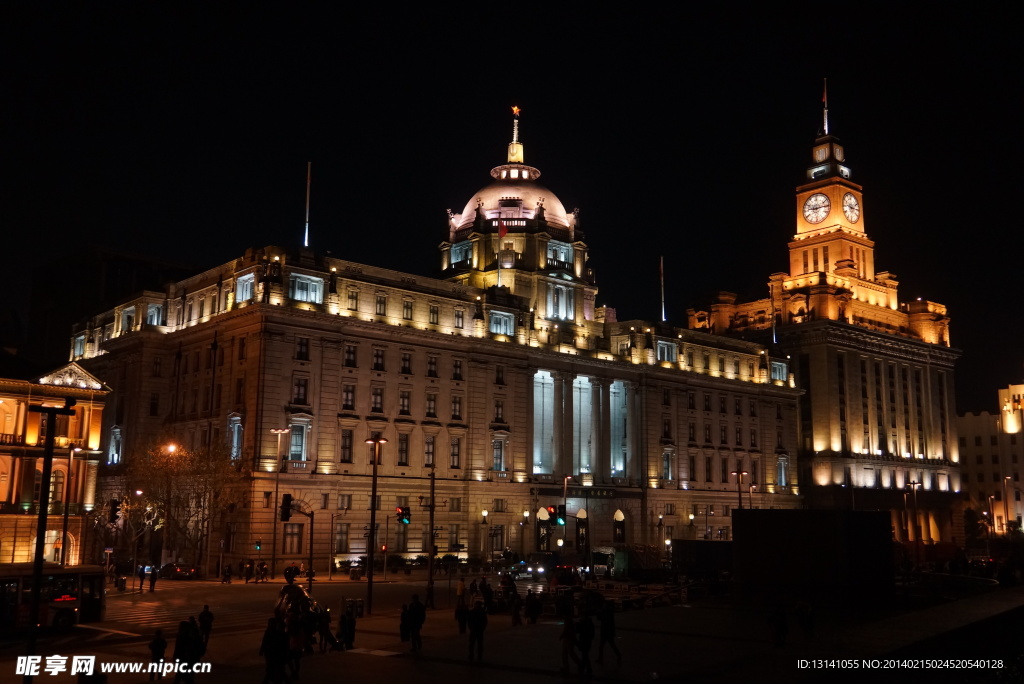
x,y
515,148
824,102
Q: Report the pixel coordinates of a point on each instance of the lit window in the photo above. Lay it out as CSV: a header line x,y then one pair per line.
x,y
667,351
382,305
503,323
407,309
460,316
306,289
244,288
433,314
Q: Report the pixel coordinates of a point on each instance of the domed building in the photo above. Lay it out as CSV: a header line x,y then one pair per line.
x,y
501,391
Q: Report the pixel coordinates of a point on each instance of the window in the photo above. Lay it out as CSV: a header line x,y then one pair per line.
x,y
499,411
378,359
667,351
341,537
353,300
431,366
239,390
154,404
377,399
753,408
403,449
403,402
292,538
431,411
459,318
456,408
666,465
779,371
302,349
738,407
666,428
241,349
244,288
348,397
498,506
498,454
707,361
406,363
753,438
457,369
455,504
691,400
300,388
267,498
434,314
297,446
381,305
346,448
502,323
739,436
666,397
455,460
707,469
722,408
428,450
707,433
707,401
499,375
324,499
725,470
407,309
691,432
306,289
374,502
783,472
350,356
723,437
235,437
157,366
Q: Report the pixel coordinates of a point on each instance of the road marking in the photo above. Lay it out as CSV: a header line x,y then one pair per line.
x,y
107,629
374,652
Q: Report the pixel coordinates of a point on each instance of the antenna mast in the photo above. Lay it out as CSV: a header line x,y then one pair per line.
x,y
824,100
309,174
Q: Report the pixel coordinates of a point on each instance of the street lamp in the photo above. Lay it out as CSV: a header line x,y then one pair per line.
x,y
277,485
739,481
67,506
750,496
376,441
525,524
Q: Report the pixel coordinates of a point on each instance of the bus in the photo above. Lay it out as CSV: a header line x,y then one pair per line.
x,y
68,596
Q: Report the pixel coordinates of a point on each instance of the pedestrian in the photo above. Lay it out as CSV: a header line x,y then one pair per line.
x,y
227,574
205,624
250,565
460,591
142,577
157,651
347,630
477,622
607,620
472,589
293,630
152,580
487,591
263,572
533,606
417,616
274,649
568,639
327,640
187,650
584,640
461,615
516,610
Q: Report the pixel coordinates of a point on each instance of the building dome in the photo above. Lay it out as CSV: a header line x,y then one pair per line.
x,y
513,194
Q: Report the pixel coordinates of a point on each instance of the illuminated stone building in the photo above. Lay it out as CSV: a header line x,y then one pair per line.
x,y
878,417
991,452
512,384
75,468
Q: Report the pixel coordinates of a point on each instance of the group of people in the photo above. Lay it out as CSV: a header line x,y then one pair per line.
x,y
300,624
189,645
249,570
577,639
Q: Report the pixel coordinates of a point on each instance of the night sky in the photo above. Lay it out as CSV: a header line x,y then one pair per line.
x,y
185,136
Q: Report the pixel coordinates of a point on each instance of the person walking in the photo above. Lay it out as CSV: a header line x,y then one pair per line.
x,y
477,622
461,616
205,623
152,580
157,651
227,574
516,609
607,633
533,607
347,630
460,591
568,639
188,648
584,640
417,616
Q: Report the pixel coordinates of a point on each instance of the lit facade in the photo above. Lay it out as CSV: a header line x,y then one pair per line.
x,y
992,450
877,419
76,460
508,384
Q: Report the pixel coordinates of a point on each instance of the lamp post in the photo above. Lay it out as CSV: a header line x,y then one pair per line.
x,y
988,535
565,503
750,496
525,524
739,482
1006,507
67,506
277,485
376,441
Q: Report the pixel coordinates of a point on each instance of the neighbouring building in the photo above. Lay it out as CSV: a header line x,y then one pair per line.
x,y
991,451
877,419
76,461
502,378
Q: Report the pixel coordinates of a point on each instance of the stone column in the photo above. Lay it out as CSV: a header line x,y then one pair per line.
x,y
633,431
558,459
597,455
566,466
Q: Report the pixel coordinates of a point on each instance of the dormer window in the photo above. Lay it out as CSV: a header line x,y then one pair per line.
x,y
306,289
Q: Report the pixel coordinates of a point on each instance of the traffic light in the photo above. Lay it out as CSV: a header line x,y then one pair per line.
x,y
552,514
259,544
403,513
115,511
286,508
561,514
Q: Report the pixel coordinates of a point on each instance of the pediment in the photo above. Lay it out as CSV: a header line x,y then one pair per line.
x,y
72,375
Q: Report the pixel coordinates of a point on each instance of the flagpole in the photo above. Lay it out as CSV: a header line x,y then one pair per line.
x,y
661,270
309,173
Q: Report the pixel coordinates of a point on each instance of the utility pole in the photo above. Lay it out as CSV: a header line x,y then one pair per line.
x,y
51,413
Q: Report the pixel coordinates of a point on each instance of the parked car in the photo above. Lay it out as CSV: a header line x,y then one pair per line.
x,y
178,571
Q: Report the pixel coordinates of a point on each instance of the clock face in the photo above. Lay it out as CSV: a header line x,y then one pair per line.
x,y
851,208
816,208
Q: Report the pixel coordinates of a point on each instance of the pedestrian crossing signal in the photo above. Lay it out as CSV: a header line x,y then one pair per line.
x,y
404,514
259,544
561,514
